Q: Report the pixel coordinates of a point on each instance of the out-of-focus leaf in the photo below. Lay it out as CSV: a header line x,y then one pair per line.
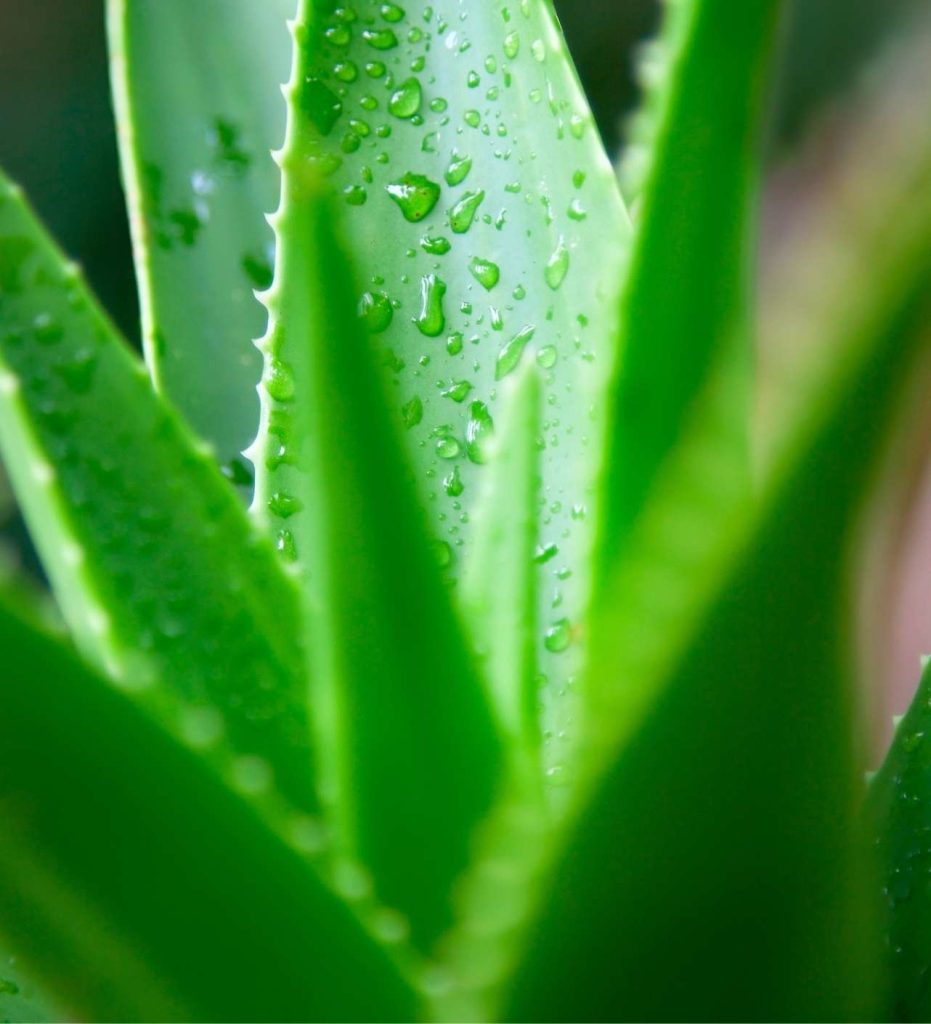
x,y
685,297
197,92
408,749
729,808
500,580
137,887
487,229
160,576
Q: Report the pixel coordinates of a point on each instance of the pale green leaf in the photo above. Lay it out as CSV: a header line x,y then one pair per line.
x,y
197,92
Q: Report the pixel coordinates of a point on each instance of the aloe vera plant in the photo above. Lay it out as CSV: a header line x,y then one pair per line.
x,y
439,643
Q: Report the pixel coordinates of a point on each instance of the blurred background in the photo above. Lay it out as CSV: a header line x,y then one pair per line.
x,y
57,140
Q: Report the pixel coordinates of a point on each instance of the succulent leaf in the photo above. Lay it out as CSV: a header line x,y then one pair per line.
x,y
488,230
161,578
138,887
196,87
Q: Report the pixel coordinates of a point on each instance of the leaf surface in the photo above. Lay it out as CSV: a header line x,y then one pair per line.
x,y
161,578
488,230
197,92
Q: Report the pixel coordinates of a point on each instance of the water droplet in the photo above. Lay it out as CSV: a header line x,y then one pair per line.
x,y
448,447
452,483
435,246
284,505
546,357
416,196
380,38
510,354
558,637
432,320
487,274
454,344
406,99
412,412
479,432
557,266
376,310
279,381
458,169
545,552
392,13
458,391
355,195
511,45
463,213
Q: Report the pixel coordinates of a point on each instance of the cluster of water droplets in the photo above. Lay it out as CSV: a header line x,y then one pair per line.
x,y
468,164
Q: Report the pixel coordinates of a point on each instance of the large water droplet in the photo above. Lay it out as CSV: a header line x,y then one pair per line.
x,y
487,274
415,194
510,354
463,213
432,320
557,266
406,99
376,310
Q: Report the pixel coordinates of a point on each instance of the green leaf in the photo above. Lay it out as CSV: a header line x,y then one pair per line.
x,y
409,753
724,802
138,887
499,587
692,242
488,230
196,87
160,576
899,818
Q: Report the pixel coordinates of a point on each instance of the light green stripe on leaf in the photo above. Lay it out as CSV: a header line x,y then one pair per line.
x,y
161,578
196,87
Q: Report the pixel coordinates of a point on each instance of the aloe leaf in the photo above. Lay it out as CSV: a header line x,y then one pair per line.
x,y
694,233
499,587
898,814
696,822
196,87
138,887
488,230
160,576
409,752
19,999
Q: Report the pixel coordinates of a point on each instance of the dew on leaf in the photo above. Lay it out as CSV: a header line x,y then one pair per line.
x,y
355,195
452,483
558,637
557,266
479,432
415,194
448,448
511,45
458,390
509,356
546,357
376,310
463,213
432,320
279,382
405,101
412,412
485,272
435,246
392,13
284,505
458,169
380,38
